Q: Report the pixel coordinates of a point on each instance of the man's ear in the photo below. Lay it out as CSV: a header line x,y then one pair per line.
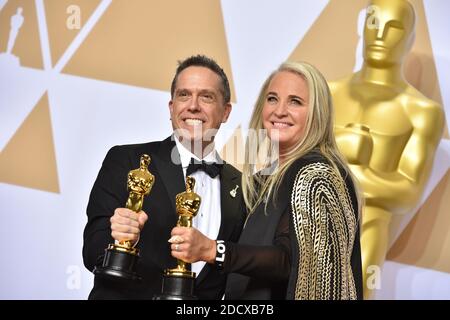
x,y
170,108
227,112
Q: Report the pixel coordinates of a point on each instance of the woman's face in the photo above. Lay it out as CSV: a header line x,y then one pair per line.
x,y
285,109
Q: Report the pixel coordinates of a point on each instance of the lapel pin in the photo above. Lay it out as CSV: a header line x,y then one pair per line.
x,y
233,192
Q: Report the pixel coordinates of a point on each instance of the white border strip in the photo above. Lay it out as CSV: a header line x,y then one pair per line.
x,y
43,34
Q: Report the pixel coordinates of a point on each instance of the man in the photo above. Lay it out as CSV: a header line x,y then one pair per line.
x,y
200,102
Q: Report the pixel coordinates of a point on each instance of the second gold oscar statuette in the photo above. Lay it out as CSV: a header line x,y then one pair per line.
x,y
178,283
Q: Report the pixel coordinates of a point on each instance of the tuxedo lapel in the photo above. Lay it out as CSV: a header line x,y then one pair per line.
x,y
262,225
230,201
168,164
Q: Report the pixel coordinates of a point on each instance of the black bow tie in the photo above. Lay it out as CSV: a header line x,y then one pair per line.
x,y
211,168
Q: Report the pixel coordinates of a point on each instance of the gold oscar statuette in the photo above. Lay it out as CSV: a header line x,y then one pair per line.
x,y
387,130
121,257
178,283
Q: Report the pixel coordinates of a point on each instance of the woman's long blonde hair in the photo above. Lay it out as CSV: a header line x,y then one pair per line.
x,y
318,135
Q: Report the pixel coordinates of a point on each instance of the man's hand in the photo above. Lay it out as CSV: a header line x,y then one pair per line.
x,y
190,245
127,224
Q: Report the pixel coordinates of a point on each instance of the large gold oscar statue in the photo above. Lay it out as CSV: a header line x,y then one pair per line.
x,y
387,130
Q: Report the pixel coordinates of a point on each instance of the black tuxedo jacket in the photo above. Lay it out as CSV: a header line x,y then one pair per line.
x,y
110,192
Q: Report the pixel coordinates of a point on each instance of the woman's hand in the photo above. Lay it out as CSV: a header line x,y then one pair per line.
x,y
190,245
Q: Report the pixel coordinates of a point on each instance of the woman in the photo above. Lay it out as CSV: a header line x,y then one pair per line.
x,y
301,238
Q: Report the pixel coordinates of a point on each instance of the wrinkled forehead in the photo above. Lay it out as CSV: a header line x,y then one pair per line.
x,y
399,11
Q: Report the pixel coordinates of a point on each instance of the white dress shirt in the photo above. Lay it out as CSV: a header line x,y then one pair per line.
x,y
208,218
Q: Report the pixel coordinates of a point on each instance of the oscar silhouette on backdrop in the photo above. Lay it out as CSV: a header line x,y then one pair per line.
x,y
16,24
387,130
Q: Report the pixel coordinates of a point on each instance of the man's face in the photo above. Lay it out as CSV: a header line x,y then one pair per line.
x,y
197,108
388,32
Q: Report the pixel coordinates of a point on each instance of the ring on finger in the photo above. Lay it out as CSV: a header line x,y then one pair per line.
x,y
176,239
177,247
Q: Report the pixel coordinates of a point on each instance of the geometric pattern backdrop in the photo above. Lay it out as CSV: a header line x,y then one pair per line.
x,y
91,74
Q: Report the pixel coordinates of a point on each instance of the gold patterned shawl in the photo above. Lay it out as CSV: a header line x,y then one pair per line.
x,y
325,224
